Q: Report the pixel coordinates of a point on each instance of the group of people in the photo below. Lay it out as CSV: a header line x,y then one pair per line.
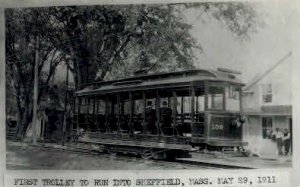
x,y
282,139
165,117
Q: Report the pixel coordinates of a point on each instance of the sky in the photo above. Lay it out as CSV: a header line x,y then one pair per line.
x,y
221,48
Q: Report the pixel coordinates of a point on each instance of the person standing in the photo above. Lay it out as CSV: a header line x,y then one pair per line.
x,y
150,118
278,139
44,121
286,141
166,118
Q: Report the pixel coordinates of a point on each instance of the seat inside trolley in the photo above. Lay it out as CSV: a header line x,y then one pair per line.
x,y
154,112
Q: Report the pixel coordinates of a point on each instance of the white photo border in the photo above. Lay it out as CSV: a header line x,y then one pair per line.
x,y
294,34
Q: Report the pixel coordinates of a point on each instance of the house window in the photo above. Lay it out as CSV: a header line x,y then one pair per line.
x,y
267,91
267,126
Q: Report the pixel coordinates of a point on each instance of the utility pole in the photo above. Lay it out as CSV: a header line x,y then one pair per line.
x,y
35,92
65,108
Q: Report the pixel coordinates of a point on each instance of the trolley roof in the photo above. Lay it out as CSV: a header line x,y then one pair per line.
x,y
158,80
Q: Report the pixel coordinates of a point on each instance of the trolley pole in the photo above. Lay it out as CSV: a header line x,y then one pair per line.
x,y
35,92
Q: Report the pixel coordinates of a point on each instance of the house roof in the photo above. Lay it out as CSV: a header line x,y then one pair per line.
x,y
264,74
274,110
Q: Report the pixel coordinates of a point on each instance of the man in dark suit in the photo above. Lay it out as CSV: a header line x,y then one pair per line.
x,y
150,116
165,118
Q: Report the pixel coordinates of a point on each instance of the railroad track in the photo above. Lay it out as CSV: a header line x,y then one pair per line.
x,y
182,161
213,165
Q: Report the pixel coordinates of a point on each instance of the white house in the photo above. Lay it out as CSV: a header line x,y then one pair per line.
x,y
268,105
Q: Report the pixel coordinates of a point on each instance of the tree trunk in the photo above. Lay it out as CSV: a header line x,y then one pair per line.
x,y
24,113
76,72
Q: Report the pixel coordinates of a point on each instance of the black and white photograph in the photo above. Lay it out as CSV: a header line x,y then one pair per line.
x,y
154,86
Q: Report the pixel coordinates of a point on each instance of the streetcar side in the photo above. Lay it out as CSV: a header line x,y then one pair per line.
x,y
188,109
218,125
116,122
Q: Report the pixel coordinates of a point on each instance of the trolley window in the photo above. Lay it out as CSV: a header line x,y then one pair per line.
x,y
232,98
215,96
101,106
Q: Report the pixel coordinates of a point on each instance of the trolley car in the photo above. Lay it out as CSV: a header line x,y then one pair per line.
x,y
162,115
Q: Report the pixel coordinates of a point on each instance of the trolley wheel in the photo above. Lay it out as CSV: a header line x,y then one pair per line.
x,y
102,148
159,155
147,154
246,153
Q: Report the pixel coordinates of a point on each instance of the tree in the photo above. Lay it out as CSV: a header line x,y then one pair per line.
x,y
104,42
175,49
102,37
22,27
